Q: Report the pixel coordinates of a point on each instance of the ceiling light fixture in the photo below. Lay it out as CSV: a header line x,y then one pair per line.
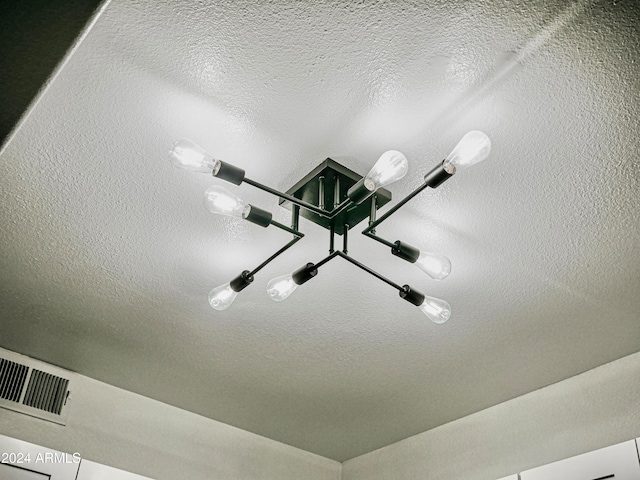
x,y
338,199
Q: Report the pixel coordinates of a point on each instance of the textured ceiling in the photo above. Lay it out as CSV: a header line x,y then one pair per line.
x,y
108,254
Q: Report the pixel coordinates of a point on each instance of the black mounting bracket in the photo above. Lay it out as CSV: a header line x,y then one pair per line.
x,y
326,187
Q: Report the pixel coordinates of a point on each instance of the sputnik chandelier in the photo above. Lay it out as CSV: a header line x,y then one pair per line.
x,y
338,199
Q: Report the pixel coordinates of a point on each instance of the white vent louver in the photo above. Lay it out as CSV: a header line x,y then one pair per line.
x,y
33,387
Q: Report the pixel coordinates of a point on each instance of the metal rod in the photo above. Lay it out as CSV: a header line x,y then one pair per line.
x,y
295,216
378,239
326,259
332,232
340,208
345,238
272,257
372,213
286,196
368,270
297,201
287,229
321,193
336,192
373,225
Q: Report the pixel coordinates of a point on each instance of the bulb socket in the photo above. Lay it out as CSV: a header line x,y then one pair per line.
x,y
412,296
405,251
230,173
304,274
241,282
358,193
437,176
258,216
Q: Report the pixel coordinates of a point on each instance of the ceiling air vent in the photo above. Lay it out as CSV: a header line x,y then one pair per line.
x,y
12,379
33,387
46,392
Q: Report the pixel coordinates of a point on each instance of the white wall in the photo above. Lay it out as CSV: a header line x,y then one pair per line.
x,y
134,433
112,426
595,409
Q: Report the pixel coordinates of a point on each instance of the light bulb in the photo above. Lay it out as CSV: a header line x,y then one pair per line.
x,y
222,202
390,167
281,287
437,310
471,149
190,156
437,267
222,297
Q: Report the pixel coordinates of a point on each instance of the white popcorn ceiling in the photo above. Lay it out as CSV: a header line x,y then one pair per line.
x,y
108,254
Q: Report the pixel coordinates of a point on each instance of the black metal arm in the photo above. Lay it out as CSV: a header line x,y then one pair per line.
x,y
326,259
370,271
296,201
373,223
368,231
378,239
298,236
349,259
272,257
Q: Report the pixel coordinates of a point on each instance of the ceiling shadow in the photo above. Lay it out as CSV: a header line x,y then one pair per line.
x,y
34,37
